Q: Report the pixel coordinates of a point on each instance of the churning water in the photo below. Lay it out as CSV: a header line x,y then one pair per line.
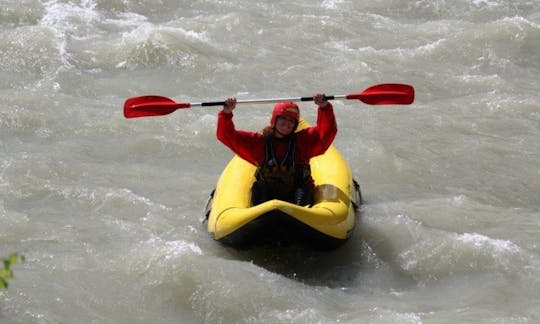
x,y
107,210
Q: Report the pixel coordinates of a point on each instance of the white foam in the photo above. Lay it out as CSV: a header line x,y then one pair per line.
x,y
482,242
331,4
486,3
169,250
69,20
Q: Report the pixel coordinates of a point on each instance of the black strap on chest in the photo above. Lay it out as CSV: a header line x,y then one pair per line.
x,y
278,172
288,159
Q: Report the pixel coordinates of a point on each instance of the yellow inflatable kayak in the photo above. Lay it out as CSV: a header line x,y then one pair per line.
x,y
325,225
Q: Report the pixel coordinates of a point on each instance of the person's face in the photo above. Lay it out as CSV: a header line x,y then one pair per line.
x,y
284,126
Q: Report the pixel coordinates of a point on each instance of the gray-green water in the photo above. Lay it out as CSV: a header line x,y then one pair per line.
x,y
106,210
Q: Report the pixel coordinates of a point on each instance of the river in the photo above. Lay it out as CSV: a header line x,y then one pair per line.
x,y
106,210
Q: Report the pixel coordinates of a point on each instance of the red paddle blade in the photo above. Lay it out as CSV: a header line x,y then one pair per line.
x,y
151,106
386,94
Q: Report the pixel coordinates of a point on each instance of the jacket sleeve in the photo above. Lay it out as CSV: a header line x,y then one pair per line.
x,y
247,145
321,136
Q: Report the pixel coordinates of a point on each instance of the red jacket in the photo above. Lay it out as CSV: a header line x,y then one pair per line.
x,y
250,146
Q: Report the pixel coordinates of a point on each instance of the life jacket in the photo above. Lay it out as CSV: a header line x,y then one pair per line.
x,y
281,178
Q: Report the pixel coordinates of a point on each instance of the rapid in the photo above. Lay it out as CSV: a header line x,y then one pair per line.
x,y
107,211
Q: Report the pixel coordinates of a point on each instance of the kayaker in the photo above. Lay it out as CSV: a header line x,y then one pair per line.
x,y
280,154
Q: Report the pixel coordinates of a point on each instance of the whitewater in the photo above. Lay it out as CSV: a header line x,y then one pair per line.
x,y
107,210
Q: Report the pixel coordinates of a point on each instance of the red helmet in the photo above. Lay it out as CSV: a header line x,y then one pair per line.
x,y
288,109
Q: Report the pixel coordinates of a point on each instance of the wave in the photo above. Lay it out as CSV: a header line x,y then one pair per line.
x,y
427,241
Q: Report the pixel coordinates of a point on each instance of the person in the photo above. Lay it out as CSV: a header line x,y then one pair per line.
x,y
280,154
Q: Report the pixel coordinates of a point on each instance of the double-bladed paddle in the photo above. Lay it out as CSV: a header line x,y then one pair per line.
x,y
381,94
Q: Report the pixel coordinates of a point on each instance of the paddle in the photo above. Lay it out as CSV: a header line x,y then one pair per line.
x,y
381,94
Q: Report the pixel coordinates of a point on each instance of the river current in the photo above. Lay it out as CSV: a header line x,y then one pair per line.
x,y
106,210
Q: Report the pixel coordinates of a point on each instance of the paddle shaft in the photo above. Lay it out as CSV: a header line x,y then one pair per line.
x,y
269,100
